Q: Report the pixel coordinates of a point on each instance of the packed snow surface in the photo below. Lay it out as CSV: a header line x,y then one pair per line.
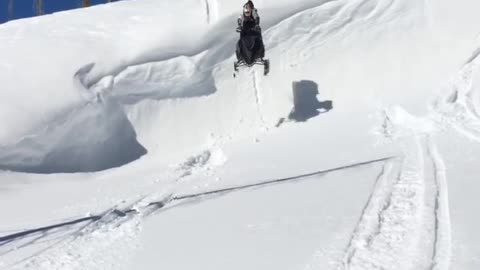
x,y
127,143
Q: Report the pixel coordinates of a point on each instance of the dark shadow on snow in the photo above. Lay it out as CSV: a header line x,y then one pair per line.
x,y
305,102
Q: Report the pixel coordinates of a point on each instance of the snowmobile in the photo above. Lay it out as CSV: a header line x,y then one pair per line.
x,y
250,50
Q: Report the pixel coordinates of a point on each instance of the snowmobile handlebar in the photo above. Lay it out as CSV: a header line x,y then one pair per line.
x,y
256,29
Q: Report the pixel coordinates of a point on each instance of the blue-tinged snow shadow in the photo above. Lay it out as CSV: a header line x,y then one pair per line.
x,y
90,137
305,102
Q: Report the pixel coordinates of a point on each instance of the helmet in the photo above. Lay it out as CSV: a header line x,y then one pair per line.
x,y
248,8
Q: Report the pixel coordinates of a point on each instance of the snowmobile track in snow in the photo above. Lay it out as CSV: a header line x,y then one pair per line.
x,y
443,239
460,108
405,223
115,214
258,100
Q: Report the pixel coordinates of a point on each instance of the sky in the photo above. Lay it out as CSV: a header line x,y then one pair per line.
x,y
25,8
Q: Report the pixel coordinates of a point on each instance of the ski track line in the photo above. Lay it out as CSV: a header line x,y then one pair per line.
x,y
54,245
466,131
386,241
464,88
473,108
369,221
207,10
462,118
321,33
460,108
258,100
350,13
100,227
443,238
405,223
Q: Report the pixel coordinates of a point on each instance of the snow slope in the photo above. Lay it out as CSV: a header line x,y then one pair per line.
x,y
126,143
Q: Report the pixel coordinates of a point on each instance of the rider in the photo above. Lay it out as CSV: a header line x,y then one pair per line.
x,y
249,20
248,23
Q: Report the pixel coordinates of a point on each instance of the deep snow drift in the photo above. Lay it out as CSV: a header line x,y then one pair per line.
x,y
126,143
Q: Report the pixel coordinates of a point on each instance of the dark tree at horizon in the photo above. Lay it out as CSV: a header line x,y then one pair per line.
x,y
10,9
38,6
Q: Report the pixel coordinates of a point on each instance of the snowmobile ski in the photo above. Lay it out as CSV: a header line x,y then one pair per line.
x,y
262,62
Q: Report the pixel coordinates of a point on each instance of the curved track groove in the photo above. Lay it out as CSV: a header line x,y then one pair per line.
x,y
443,238
405,223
